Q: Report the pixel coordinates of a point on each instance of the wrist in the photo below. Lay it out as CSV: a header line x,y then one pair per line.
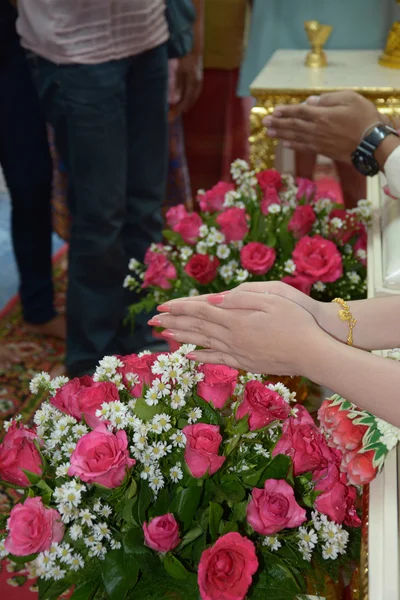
x,y
385,149
313,356
328,319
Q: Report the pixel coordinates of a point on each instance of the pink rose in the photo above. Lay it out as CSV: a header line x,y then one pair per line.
x,y
299,282
139,366
150,253
226,569
318,259
305,189
175,215
346,435
270,178
33,528
257,258
328,414
189,228
101,457
202,446
262,405
160,272
270,196
233,224
306,446
302,221
274,508
360,469
18,452
350,228
203,268
336,498
213,200
83,397
218,384
162,533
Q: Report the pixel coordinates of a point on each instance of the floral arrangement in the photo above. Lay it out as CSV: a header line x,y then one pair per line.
x,y
265,227
158,474
363,440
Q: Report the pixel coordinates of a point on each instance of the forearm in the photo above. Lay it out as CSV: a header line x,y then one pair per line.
x,y
198,28
378,322
369,381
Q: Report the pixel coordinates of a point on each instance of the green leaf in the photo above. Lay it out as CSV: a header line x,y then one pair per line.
x,y
232,445
86,591
191,536
119,574
20,560
239,511
133,542
160,586
52,590
185,505
209,414
242,426
231,489
278,468
253,478
145,498
174,567
127,513
33,478
172,237
214,517
161,505
132,490
228,527
144,411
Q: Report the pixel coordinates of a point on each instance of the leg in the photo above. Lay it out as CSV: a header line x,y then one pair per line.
x,y
147,114
25,158
354,185
86,106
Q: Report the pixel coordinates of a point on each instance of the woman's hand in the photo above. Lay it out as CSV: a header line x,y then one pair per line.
x,y
260,333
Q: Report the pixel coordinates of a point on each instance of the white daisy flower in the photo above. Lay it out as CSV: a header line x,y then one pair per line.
x,y
201,248
163,420
354,277
105,510
140,440
272,542
330,551
361,254
336,223
305,552
329,532
274,209
241,275
308,538
194,292
76,532
203,231
194,415
39,381
160,449
115,545
261,450
162,387
176,473
178,439
62,470
156,481
152,396
223,251
76,562
87,518
101,531
319,286
56,573
289,266
226,273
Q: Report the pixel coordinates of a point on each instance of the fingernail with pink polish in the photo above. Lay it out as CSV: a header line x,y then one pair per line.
x,y
155,322
191,356
271,132
216,299
168,334
164,308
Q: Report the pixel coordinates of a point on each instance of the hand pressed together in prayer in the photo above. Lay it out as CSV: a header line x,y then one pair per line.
x,y
257,331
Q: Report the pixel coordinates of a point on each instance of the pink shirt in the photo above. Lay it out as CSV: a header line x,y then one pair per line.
x,y
91,31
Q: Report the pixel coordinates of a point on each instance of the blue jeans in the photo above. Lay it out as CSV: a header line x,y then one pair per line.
x,y
110,123
26,163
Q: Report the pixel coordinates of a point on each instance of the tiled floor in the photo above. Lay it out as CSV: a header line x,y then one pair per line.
x,y
8,268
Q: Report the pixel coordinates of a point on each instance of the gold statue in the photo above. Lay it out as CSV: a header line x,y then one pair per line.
x,y
391,56
318,35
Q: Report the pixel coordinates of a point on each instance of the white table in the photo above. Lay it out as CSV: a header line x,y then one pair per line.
x,y
286,80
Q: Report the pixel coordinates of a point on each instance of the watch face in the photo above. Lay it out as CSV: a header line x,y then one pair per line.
x,y
365,163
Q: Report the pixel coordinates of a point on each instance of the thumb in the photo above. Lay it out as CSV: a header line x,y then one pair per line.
x,y
332,99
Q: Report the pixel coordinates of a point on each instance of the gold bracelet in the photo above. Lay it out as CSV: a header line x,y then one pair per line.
x,y
345,315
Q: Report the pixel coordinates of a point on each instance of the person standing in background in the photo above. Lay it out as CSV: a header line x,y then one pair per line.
x,y
217,126
26,164
358,24
102,72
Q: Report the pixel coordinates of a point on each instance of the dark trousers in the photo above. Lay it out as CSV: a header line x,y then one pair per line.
x,y
26,163
110,123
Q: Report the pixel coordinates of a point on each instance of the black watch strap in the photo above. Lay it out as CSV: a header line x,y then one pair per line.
x,y
363,157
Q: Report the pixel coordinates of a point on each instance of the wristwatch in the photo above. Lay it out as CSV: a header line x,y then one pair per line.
x,y
363,157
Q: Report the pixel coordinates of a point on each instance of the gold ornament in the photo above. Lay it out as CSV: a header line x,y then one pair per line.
x,y
391,56
318,35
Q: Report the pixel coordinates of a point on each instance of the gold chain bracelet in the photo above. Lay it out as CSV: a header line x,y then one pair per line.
x,y
345,315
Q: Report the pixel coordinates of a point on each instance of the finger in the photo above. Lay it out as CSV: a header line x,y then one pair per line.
x,y
216,358
242,300
277,288
195,309
198,339
332,99
188,94
305,148
190,324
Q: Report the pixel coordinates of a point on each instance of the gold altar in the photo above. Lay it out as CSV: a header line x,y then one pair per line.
x,y
286,80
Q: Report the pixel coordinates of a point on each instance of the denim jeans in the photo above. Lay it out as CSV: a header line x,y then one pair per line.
x,y
26,163
110,123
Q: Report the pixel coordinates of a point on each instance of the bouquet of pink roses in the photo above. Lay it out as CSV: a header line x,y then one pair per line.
x,y
157,474
265,227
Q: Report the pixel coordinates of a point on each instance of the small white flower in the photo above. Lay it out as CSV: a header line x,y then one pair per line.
x,y
87,517
272,542
176,473
140,440
133,265
194,415
336,223
57,573
3,551
319,286
289,266
361,254
105,511
201,248
329,531
76,562
330,551
129,282
261,450
97,549
58,382
354,277
178,439
187,381
101,531
226,273
160,449
242,275
163,420
163,388
306,554
203,232
152,396
76,532
308,538
194,292
223,251
62,470
186,253
115,545
156,481
274,209
39,381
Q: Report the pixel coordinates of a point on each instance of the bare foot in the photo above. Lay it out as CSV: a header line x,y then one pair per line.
x,y
57,328
7,358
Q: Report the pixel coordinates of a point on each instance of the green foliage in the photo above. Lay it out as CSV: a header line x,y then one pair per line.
x,y
119,574
174,567
215,516
185,504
